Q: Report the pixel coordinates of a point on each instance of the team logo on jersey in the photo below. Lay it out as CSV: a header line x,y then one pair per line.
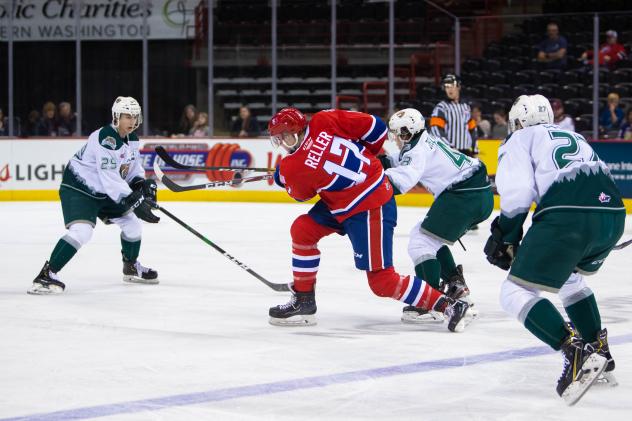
x,y
604,198
109,142
124,170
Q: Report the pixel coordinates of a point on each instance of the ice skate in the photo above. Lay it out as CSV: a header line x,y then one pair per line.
x,y
458,314
607,377
299,311
136,273
582,366
418,315
455,287
46,283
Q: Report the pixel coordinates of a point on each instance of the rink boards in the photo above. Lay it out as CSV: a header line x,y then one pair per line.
x,y
31,169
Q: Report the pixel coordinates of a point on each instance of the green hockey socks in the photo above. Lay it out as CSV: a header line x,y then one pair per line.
x,y
585,316
62,253
547,324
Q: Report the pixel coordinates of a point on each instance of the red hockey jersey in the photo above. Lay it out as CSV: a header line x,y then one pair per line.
x,y
336,160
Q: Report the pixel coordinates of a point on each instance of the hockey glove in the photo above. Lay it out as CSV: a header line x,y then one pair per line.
x,y
136,202
385,161
498,252
148,187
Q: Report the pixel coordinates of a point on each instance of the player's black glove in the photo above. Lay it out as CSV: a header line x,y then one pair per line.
x,y
498,252
148,187
385,161
136,202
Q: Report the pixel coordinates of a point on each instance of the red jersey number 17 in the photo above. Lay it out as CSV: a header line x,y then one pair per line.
x,y
351,169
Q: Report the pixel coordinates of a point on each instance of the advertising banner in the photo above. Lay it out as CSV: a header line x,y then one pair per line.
x,y
31,169
54,20
38,164
618,156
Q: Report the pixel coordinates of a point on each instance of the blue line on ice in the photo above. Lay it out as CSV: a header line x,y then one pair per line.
x,y
217,395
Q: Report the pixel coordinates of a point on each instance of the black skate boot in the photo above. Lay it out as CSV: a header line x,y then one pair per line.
x,y
46,282
457,312
607,377
582,366
418,315
136,273
455,286
299,311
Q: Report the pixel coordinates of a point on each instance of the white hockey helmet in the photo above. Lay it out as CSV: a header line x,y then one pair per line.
x,y
530,110
126,105
543,111
405,124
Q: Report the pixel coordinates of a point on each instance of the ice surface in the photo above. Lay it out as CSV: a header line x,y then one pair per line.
x,y
198,345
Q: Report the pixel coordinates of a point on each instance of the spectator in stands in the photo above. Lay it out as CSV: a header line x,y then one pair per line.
x,y
483,126
66,120
48,123
611,116
200,127
187,120
559,117
245,125
609,53
552,51
4,124
31,128
500,129
626,128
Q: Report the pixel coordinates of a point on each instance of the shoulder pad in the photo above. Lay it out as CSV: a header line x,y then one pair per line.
x,y
109,139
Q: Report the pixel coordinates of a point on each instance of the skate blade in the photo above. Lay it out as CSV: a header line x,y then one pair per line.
x,y
299,320
39,289
432,317
591,370
136,280
607,379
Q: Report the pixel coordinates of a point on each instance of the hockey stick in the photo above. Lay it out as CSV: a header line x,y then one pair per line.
x,y
622,245
173,186
168,159
276,287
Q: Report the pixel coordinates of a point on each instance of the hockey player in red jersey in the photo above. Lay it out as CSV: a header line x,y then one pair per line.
x,y
334,157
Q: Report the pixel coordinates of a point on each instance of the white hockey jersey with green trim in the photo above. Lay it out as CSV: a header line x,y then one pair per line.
x,y
430,161
105,165
554,168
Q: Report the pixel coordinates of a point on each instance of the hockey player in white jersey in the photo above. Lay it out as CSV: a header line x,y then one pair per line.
x,y
463,198
578,219
104,179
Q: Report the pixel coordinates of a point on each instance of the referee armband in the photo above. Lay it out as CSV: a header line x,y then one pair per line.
x,y
437,121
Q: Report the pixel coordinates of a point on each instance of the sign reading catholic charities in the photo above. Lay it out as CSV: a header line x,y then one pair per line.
x,y
48,20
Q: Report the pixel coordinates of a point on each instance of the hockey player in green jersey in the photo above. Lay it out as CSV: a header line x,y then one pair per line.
x,y
579,218
104,179
463,198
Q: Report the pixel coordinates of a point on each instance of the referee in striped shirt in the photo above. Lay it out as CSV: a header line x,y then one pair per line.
x,y
452,120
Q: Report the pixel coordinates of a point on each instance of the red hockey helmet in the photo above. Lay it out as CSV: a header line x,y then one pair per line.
x,y
285,126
